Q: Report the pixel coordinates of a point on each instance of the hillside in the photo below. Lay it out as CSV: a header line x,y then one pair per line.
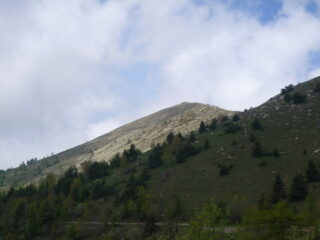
x,y
292,129
143,132
232,160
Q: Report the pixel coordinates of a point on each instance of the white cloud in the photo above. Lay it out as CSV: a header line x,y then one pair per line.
x,y
62,64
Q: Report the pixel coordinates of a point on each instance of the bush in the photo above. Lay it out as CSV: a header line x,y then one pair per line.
x,y
256,125
225,169
287,89
187,151
299,97
231,127
288,97
236,118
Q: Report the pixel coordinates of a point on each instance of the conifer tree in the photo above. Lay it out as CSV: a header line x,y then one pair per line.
x,y
263,203
278,190
257,150
276,153
202,127
155,157
299,188
192,138
256,125
312,172
170,138
252,138
213,124
115,161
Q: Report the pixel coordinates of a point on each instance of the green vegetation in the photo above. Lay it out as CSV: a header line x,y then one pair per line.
x,y
299,188
278,190
233,179
312,172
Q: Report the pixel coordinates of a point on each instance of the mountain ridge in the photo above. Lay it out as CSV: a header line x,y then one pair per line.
x,y
143,132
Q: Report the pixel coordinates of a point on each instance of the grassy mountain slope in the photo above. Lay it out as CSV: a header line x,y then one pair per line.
x,y
293,129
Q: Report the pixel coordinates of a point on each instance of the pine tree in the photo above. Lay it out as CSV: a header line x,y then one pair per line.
x,y
257,150
276,153
299,188
170,138
115,161
263,202
192,138
213,124
202,127
312,172
155,157
278,190
256,125
252,138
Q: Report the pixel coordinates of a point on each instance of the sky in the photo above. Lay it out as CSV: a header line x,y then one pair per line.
x,y
73,70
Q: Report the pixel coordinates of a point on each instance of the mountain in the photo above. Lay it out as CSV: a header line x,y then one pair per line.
x,y
240,167
144,133
290,125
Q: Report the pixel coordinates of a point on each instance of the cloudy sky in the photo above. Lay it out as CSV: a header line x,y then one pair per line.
x,y
71,70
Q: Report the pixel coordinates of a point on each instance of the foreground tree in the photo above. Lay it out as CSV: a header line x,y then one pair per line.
x,y
265,224
208,224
